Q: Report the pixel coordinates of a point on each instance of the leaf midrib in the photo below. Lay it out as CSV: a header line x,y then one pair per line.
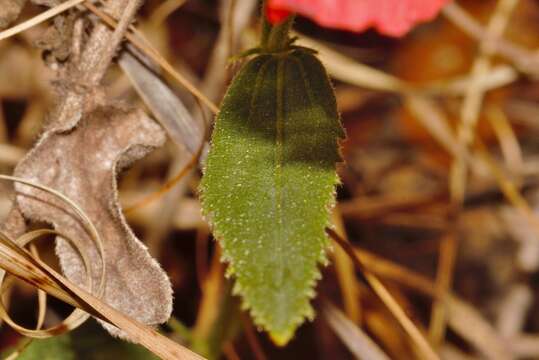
x,y
278,176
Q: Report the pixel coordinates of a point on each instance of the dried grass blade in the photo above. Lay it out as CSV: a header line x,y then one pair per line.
x,y
168,185
39,18
140,42
499,76
171,113
14,261
415,334
75,319
212,294
139,333
234,17
525,346
47,279
446,263
381,291
508,188
473,100
458,312
390,270
352,72
41,295
469,324
252,339
507,139
56,285
346,275
523,59
25,266
87,223
168,109
357,341
434,121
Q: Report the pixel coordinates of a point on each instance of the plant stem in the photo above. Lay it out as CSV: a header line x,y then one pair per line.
x,y
94,61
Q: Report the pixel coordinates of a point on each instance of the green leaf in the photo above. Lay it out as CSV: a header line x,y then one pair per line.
x,y
91,342
269,184
55,348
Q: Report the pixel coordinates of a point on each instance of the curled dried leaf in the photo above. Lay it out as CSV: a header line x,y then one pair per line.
x,y
83,164
75,319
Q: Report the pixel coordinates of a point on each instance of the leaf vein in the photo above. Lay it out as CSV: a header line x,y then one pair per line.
x,y
279,144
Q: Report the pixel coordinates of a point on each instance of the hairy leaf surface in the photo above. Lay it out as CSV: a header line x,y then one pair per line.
x,y
269,184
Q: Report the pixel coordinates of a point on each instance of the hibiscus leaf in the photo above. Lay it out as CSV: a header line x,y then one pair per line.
x,y
269,184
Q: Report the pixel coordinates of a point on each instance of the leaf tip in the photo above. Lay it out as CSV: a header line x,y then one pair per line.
x,y
281,339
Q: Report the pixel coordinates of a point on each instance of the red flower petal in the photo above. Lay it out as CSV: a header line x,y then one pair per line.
x,y
276,15
389,17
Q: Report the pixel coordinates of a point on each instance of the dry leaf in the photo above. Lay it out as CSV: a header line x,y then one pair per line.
x,y
23,264
57,39
83,163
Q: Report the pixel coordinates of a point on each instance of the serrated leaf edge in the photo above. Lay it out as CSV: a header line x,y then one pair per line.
x,y
307,312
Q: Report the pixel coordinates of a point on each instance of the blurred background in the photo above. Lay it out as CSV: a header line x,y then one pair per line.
x,y
439,194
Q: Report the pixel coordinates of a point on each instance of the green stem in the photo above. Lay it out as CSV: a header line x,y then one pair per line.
x,y
275,38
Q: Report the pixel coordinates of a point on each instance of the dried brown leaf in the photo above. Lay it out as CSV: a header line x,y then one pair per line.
x,y
21,263
56,40
83,164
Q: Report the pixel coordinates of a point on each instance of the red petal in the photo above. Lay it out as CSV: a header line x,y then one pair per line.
x,y
389,17
276,15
